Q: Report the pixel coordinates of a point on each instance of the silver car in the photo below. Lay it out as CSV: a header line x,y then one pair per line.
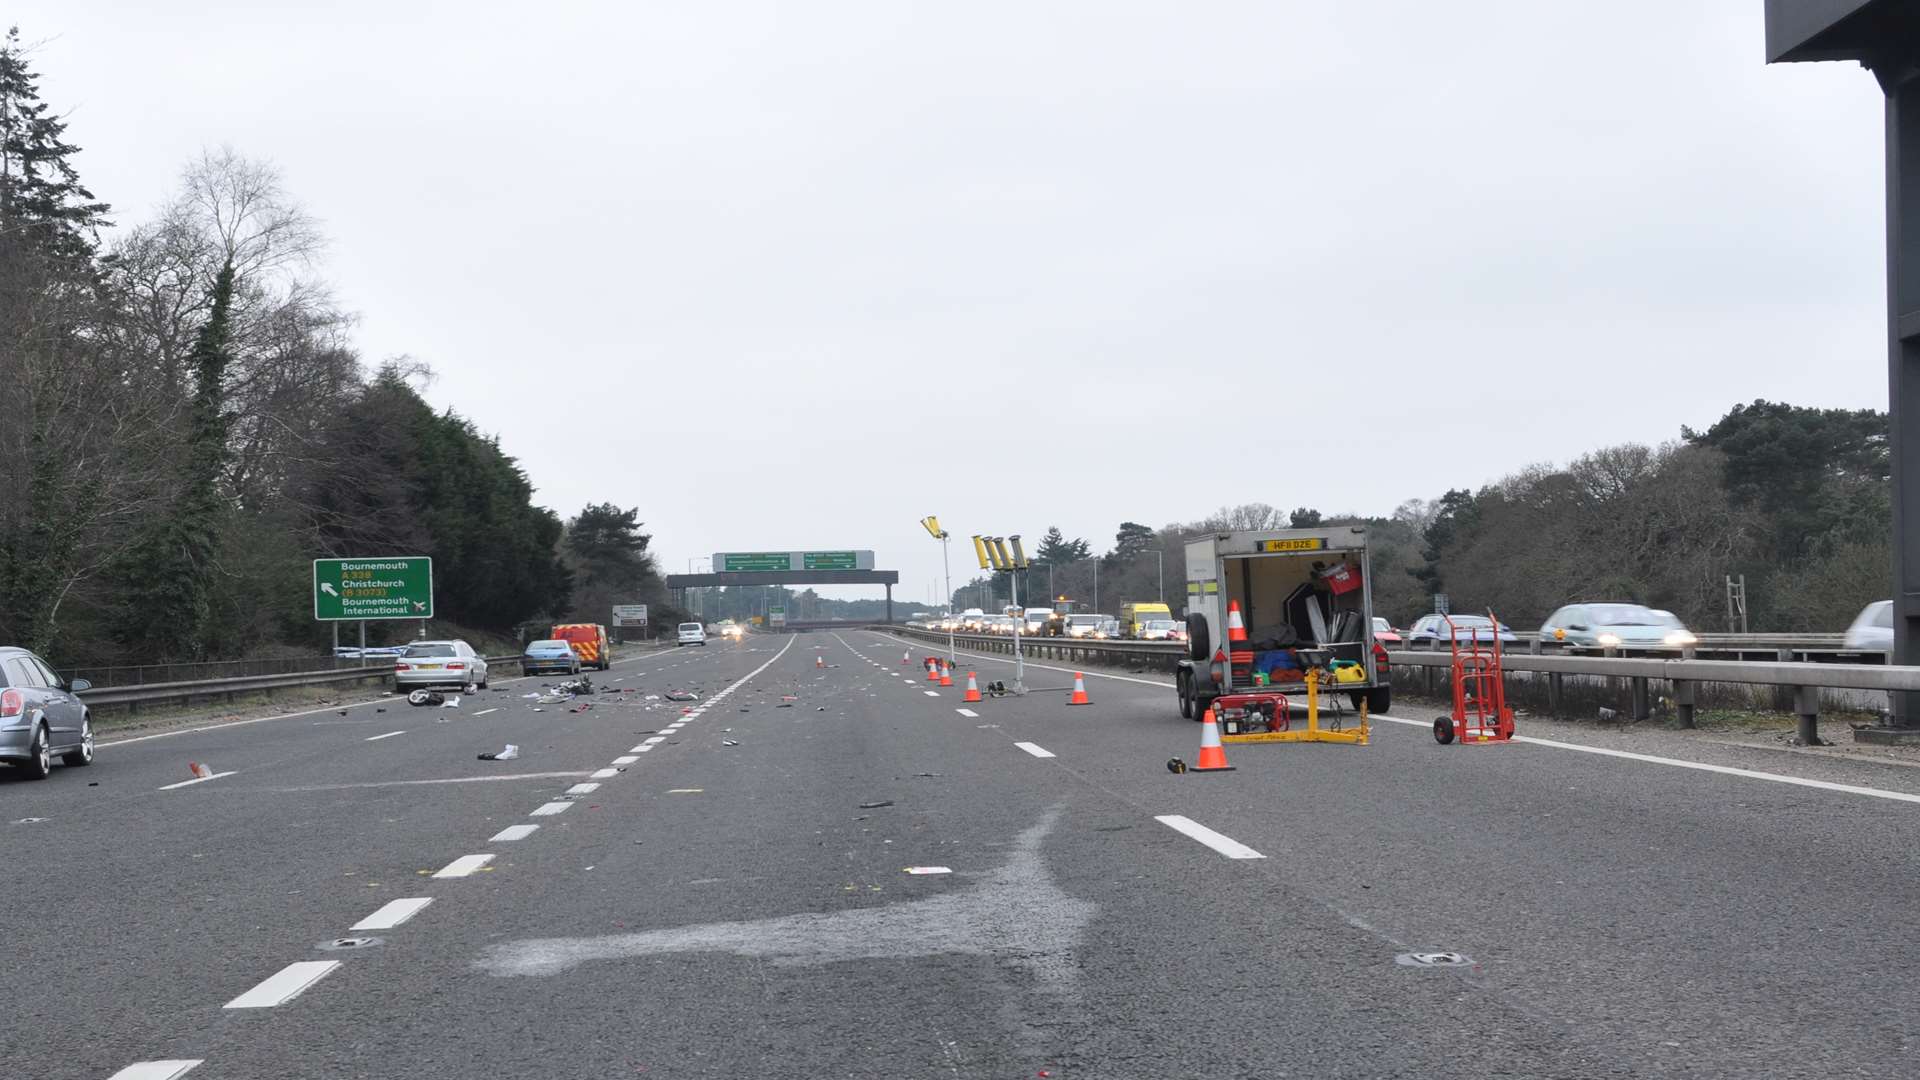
x,y
1872,629
439,663
40,716
1614,626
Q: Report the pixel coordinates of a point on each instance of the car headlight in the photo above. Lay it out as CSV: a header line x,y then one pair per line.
x,y
1681,637
1609,641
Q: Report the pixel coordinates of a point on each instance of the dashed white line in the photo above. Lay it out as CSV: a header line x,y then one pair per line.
x,y
512,833
931,693
655,741
171,1069
198,780
463,866
388,735
583,789
550,809
1035,749
641,749
284,985
604,774
393,913
626,759
968,713
1225,845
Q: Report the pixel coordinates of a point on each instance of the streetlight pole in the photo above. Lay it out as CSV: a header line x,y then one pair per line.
x,y
932,525
1160,564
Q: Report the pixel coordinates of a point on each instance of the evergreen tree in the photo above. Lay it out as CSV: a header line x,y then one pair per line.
x,y
1303,518
1132,539
41,197
1056,550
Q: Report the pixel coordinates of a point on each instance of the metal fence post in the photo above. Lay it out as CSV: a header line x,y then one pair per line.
x,y
1642,707
1556,693
1683,701
1806,703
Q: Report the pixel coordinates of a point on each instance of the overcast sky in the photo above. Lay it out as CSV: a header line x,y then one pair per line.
x,y
795,275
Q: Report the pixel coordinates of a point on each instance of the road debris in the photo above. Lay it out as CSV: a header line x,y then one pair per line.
x,y
507,754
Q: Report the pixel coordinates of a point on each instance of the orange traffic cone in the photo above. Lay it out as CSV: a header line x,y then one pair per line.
x,y
933,670
1213,756
1236,630
906,655
973,689
819,661
946,674
1079,690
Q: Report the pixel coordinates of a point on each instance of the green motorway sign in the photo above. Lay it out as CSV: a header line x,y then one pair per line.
x,y
832,560
395,587
756,560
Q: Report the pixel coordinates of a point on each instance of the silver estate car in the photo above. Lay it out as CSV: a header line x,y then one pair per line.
x,y
40,716
439,663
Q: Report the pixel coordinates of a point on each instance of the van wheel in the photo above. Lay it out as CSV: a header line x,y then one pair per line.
x,y
1184,682
1379,699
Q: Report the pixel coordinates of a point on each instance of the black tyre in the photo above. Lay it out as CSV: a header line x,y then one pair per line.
x,y
84,755
482,684
1443,730
1379,699
1184,681
39,761
1198,646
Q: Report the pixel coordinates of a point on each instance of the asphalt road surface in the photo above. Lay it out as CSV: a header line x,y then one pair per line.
x,y
738,895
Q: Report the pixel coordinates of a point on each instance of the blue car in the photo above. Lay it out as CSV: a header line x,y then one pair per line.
x,y
550,658
1432,632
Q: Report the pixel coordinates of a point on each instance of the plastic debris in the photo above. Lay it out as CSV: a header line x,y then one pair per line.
x,y
929,869
507,754
199,771
876,805
425,697
682,695
451,703
728,742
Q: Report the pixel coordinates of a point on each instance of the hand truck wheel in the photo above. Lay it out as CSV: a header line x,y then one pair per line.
x,y
1443,730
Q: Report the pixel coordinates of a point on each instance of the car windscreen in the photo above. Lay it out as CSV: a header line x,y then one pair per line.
x,y
1624,615
1883,614
1466,620
1084,620
430,650
686,626
548,645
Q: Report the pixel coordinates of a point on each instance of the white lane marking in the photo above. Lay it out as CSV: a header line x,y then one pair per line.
x,y
484,712
625,759
655,741
1225,845
968,712
171,1069
930,693
929,869
388,735
512,833
641,749
604,774
393,913
199,780
464,865
583,789
284,985
1035,749
550,809
1701,766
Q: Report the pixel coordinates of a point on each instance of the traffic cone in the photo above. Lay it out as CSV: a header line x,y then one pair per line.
x,y
1213,756
946,674
906,656
1079,690
1236,630
973,689
933,670
819,661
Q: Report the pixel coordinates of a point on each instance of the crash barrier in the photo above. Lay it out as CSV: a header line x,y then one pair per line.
x,y
1800,682
1153,655
132,698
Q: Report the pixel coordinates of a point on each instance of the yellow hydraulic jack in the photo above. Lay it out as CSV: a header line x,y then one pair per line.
x,y
1262,716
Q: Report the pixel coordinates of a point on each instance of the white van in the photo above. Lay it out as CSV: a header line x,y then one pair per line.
x,y
692,633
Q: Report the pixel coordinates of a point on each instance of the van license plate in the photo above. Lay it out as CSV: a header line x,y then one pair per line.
x,y
1309,544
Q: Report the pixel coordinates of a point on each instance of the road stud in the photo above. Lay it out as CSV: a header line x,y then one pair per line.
x,y
973,689
1079,691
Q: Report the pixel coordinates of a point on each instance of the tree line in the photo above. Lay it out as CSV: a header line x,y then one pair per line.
x,y
1793,499
190,424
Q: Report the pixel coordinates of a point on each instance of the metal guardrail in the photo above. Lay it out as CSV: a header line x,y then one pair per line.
x,y
134,696
1685,675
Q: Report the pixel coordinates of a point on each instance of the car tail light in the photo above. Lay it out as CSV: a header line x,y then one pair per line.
x,y
12,703
456,666
1379,656
402,666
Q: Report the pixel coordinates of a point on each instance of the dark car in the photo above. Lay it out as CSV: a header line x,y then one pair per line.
x,y
41,716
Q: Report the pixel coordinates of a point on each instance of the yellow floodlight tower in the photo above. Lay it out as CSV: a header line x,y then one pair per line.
x,y
932,525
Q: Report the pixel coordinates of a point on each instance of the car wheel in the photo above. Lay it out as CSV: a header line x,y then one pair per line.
x,y
1185,683
482,684
39,761
84,755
